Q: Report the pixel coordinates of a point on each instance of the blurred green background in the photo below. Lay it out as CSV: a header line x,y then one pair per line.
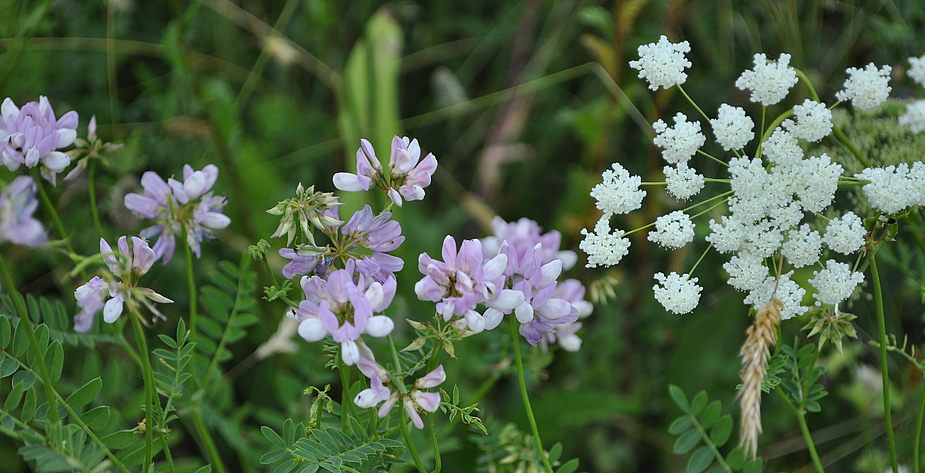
x,y
523,103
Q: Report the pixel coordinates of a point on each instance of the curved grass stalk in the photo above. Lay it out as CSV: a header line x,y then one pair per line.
x,y
515,340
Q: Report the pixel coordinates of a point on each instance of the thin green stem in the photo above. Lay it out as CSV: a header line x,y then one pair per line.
x,y
406,434
843,139
94,212
817,462
917,444
884,365
46,201
689,99
434,356
99,443
515,340
191,284
207,440
346,402
52,422
808,83
438,462
148,373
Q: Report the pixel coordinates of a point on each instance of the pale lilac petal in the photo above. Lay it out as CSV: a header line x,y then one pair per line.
x,y
432,379
413,413
113,309
428,401
379,326
312,330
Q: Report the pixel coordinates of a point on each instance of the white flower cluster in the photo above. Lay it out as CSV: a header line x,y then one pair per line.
x,y
785,289
662,64
866,88
678,294
680,142
914,118
893,188
619,193
814,121
732,127
683,182
673,230
769,81
782,148
802,246
845,234
603,247
917,71
835,283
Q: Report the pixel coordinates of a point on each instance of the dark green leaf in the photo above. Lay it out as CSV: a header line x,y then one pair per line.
x,y
20,339
680,425
6,331
754,466
13,398
96,418
273,437
166,340
721,432
204,469
711,415
736,458
8,366
86,393
569,466
309,468
554,453
679,398
717,469
700,460
54,360
273,457
699,402
286,467
121,439
813,406
27,378
687,441
28,407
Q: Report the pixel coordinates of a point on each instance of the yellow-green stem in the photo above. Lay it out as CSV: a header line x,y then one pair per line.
x,y
207,441
406,434
148,375
52,422
515,340
884,365
917,444
191,284
91,185
817,462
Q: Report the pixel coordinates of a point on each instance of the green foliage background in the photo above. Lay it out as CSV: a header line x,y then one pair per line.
x,y
523,103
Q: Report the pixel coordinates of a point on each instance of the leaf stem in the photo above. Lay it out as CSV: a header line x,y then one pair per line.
x,y
91,187
207,440
148,373
804,428
191,283
515,340
917,444
884,365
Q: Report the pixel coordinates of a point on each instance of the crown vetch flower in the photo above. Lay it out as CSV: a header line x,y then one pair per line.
x,y
866,88
662,64
31,135
17,204
317,208
342,305
769,81
413,400
408,173
174,207
120,284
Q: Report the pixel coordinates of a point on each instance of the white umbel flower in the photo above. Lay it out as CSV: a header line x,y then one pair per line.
x,y
673,230
891,189
678,294
732,127
787,291
802,246
917,71
680,142
835,283
746,271
662,64
683,182
845,234
727,236
603,247
816,181
782,148
769,81
619,193
914,118
866,88
813,121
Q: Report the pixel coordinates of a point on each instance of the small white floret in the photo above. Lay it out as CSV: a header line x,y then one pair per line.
x,y
917,71
835,283
683,182
813,121
802,247
619,193
866,88
678,294
680,142
732,127
845,234
603,247
662,64
673,230
769,81
914,118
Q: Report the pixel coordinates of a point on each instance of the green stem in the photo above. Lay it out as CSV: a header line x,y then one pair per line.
x,y
346,402
52,422
434,355
148,374
438,463
884,366
917,444
76,418
91,178
804,428
406,434
46,201
515,340
207,441
843,139
191,284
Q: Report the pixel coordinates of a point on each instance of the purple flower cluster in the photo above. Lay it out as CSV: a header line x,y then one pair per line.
x,y
364,240
516,270
408,174
343,305
17,204
175,206
413,400
119,285
32,135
